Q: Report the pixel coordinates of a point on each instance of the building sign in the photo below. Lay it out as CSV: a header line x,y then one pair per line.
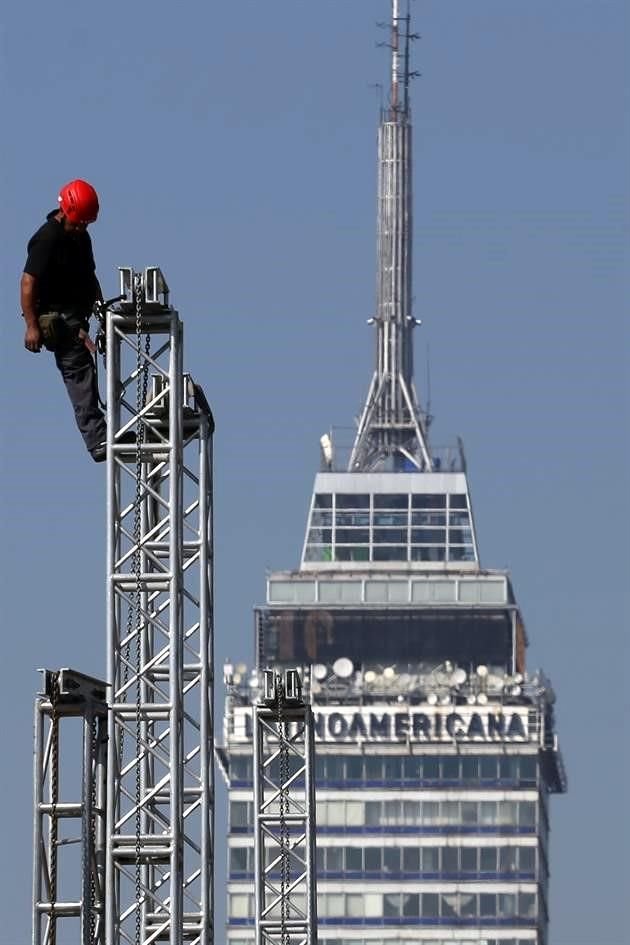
x,y
384,724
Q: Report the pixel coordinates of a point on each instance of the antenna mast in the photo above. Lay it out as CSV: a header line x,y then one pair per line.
x,y
392,427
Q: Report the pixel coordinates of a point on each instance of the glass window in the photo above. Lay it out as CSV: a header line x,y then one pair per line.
x,y
430,905
350,501
373,769
488,767
354,769
390,518
389,553
428,501
411,859
488,813
239,906
373,905
508,859
508,767
355,813
467,905
508,813
354,859
334,859
469,812
527,814
320,768
527,905
391,860
488,860
458,501
449,906
506,905
238,859
411,812
420,553
372,813
351,553
410,904
335,905
528,767
450,812
430,859
334,768
527,859
461,553
356,519
428,536
459,518
321,517
336,813
469,859
350,536
430,812
450,860
354,905
460,536
320,859
428,518
323,500
470,768
412,769
430,769
389,536
450,769
391,501
393,769
487,905
373,859
239,813
391,905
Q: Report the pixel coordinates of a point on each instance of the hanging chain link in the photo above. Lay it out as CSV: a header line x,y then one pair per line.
x,y
92,864
142,378
285,857
54,800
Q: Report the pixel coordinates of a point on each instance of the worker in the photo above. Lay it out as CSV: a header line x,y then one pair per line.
x,y
58,290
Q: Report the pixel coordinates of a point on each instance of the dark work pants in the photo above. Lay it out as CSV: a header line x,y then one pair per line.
x,y
79,375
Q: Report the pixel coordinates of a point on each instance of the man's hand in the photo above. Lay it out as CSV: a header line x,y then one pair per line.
x,y
33,338
87,341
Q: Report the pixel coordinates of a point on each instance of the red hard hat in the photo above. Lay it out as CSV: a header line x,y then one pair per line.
x,y
79,202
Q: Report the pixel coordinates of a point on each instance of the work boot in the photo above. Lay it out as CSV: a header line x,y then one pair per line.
x,y
99,452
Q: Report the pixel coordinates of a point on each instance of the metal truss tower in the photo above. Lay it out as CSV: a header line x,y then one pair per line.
x,y
392,430
284,810
160,783
69,835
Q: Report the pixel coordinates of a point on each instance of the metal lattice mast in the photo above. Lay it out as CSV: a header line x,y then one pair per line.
x,y
69,835
284,810
392,426
160,782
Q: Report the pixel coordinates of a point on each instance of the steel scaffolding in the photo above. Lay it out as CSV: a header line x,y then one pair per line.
x,y
284,807
160,781
69,835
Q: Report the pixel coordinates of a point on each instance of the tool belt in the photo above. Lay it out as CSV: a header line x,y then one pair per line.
x,y
60,327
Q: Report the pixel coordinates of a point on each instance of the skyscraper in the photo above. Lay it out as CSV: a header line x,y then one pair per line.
x,y
436,748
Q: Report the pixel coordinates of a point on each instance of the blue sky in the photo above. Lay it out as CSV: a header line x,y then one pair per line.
x,y
234,146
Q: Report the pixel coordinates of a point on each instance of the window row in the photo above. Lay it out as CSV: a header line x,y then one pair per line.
x,y
411,770
323,518
394,501
390,536
404,941
389,553
453,815
459,906
429,862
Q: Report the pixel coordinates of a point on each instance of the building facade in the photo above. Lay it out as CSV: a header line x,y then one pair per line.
x,y
436,752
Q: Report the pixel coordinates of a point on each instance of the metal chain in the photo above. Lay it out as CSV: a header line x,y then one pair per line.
x,y
54,800
92,865
142,377
285,859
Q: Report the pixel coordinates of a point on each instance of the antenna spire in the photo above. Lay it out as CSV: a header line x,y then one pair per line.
x,y
392,428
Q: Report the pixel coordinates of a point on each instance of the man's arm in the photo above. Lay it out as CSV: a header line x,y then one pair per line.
x,y
28,296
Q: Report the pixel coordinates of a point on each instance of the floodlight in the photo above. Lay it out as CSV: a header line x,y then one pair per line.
x,y
369,676
389,672
482,671
241,668
515,690
343,667
236,678
325,443
445,699
319,671
482,698
470,699
458,677
432,698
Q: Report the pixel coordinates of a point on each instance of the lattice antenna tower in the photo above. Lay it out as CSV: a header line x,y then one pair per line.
x,y
392,429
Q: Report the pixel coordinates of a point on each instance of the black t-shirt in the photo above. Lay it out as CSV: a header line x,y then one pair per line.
x,y
63,264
